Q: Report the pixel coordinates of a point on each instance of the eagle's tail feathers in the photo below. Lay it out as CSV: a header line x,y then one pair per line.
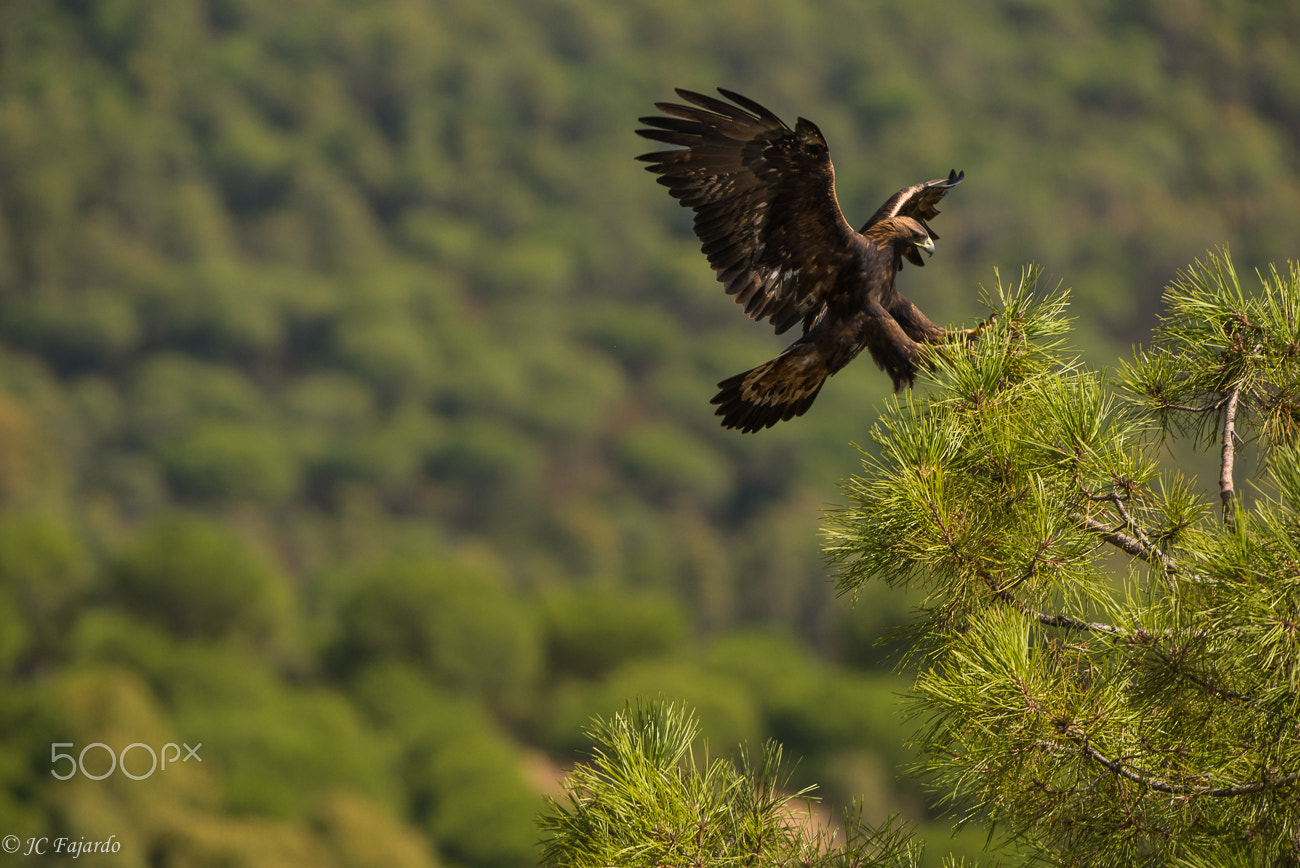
x,y
774,391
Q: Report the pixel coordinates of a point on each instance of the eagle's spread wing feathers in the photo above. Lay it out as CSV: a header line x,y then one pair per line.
x,y
764,201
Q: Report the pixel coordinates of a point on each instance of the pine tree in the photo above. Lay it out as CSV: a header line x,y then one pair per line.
x,y
1107,658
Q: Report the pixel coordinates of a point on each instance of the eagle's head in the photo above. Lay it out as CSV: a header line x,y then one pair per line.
x,y
913,234
906,235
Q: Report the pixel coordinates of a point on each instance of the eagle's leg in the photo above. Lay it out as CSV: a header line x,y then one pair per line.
x,y
915,324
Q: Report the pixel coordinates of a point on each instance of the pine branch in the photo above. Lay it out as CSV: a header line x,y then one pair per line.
x,y
1139,544
1120,769
1228,456
1002,594
1068,622
1225,693
1128,544
1188,409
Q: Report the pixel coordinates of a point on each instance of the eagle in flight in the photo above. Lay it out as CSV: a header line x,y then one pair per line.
x,y
771,227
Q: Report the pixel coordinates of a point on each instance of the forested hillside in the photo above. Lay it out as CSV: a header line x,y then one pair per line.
x,y
354,380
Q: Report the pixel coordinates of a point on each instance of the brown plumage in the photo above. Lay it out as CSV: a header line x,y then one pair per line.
x,y
771,227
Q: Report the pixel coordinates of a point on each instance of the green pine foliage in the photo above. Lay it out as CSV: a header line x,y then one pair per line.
x,y
1106,653
645,798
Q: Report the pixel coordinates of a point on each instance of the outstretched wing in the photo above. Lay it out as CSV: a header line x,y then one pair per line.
x,y
764,202
920,202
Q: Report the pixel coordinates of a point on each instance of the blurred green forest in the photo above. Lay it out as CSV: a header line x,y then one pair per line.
x,y
354,380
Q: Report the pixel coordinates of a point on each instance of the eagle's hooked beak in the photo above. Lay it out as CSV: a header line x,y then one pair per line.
x,y
927,245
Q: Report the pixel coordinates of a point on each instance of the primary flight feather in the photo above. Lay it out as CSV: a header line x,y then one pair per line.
x,y
768,221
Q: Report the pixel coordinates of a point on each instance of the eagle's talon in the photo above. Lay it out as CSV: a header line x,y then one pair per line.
x,y
984,326
974,332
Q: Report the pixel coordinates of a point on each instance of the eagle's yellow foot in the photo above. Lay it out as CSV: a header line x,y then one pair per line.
x,y
972,333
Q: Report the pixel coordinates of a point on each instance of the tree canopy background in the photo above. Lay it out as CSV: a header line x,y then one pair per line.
x,y
354,378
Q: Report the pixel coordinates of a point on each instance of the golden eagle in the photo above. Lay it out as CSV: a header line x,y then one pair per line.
x,y
769,223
